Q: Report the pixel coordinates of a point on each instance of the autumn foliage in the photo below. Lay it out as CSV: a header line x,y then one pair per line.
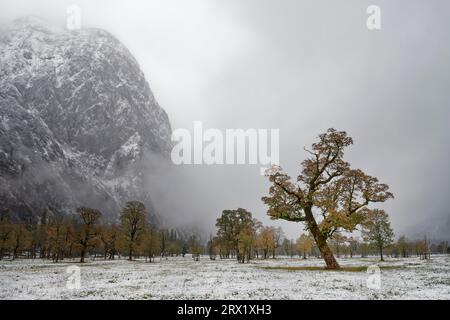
x,y
327,195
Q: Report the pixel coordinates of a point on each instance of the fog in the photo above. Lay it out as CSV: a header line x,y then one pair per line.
x,y
300,67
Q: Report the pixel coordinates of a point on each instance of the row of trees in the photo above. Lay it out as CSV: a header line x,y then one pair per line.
x,y
350,246
241,236
60,237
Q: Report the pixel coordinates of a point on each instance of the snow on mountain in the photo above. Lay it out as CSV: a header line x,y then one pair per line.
x,y
77,121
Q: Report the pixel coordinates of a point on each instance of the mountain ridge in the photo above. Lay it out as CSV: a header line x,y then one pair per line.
x,y
77,122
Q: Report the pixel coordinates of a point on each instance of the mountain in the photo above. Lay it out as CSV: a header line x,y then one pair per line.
x,y
78,122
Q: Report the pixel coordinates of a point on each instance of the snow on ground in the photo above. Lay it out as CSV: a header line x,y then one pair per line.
x,y
183,278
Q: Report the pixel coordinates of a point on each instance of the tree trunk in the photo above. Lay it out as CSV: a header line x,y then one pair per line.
x,y
321,241
381,253
83,252
130,253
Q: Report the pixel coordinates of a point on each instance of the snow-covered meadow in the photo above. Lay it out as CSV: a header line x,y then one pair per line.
x,y
183,278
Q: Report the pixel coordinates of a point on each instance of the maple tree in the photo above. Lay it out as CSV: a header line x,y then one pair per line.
x,y
328,195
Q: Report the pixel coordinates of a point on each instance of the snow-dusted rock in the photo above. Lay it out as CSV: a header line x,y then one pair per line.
x,y
77,121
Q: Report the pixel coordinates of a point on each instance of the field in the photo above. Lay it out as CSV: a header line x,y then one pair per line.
x,y
183,278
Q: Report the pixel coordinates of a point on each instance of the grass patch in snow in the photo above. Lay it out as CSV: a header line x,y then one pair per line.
x,y
319,268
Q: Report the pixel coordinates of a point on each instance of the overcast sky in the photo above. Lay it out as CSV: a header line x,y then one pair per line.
x,y
301,67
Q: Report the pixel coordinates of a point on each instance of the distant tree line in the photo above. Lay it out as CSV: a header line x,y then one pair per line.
x,y
239,236
242,237
401,248
84,234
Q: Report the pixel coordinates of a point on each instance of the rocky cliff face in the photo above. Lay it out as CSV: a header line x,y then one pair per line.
x,y
77,121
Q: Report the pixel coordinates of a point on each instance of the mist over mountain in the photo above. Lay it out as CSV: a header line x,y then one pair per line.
x,y
78,122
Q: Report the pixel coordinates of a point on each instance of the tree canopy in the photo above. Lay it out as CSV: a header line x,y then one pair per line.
x,y
327,195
